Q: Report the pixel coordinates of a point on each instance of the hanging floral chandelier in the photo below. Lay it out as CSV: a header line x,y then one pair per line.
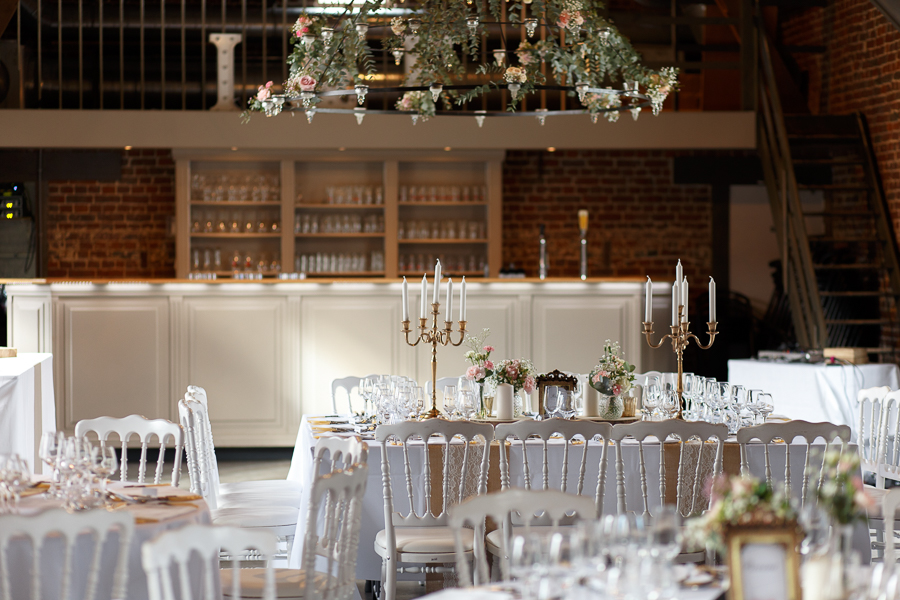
x,y
446,47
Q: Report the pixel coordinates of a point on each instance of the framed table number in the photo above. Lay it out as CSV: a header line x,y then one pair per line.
x,y
764,563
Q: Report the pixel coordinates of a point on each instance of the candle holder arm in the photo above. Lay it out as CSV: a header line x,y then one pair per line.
x,y
648,331
462,334
406,331
711,332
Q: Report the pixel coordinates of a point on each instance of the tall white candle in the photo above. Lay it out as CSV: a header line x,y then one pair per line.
x,y
449,315
684,299
405,295
437,283
712,300
648,300
422,297
462,300
679,275
675,304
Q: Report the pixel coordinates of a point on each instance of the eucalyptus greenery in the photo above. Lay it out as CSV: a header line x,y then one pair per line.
x,y
580,48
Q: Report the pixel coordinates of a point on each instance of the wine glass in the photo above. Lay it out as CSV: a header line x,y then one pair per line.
x,y
103,464
651,398
565,402
552,401
669,403
15,477
450,401
528,564
765,405
753,405
48,452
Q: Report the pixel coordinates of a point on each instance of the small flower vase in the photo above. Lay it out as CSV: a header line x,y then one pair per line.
x,y
514,90
482,409
518,403
611,407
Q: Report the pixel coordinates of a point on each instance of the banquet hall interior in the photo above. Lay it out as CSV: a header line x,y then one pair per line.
x,y
649,248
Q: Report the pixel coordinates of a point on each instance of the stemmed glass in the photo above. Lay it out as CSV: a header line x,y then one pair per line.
x,y
103,464
651,398
49,454
552,399
669,403
529,564
753,405
15,477
765,405
450,401
565,403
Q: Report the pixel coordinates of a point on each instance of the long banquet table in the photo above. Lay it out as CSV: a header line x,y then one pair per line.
x,y
814,392
369,564
27,404
151,519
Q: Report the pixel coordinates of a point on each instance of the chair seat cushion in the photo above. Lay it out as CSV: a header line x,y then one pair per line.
x,y
424,540
262,516
252,499
268,485
289,583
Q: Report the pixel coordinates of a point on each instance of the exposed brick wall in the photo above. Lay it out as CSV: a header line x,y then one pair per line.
x,y
859,71
115,229
640,221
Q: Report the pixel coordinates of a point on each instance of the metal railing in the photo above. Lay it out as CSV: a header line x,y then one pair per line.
x,y
798,274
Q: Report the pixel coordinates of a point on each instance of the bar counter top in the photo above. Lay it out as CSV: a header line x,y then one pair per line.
x,y
310,280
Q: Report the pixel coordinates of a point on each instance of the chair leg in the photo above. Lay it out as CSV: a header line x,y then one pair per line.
x,y
389,579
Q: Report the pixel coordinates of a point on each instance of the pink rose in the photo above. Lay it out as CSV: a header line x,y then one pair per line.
x,y
863,500
265,92
563,20
528,386
475,372
617,389
302,30
512,372
596,378
489,365
488,349
307,84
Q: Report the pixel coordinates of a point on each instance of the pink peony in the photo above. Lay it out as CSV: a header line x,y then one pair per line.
x,y
596,378
528,386
265,92
863,499
475,372
488,349
307,83
570,19
489,365
512,372
617,389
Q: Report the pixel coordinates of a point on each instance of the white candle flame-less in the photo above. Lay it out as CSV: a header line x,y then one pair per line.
x,y
648,300
712,300
437,283
405,295
675,304
679,276
449,316
684,299
423,310
504,401
462,300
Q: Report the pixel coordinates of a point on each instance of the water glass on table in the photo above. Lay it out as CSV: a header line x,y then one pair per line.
x,y
15,477
450,401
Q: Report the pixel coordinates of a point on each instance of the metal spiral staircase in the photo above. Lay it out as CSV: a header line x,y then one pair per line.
x,y
841,271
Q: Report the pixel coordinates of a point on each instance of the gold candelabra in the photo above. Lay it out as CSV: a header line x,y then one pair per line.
x,y
681,336
435,337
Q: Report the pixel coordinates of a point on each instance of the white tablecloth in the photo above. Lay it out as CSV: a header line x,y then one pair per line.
x,y
369,564
815,392
167,518
27,405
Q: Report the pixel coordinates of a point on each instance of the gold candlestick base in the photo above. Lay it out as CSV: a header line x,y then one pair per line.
x,y
681,336
435,337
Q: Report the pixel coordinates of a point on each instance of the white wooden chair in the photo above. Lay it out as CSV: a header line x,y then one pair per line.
x,y
889,455
422,535
146,429
783,434
333,453
442,382
59,526
173,550
331,540
251,510
889,504
528,506
683,431
641,379
347,384
872,431
277,491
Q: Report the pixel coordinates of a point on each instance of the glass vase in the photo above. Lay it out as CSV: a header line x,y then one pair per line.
x,y
611,407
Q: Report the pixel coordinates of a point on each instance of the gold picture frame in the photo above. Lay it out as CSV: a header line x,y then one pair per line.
x,y
767,556
555,378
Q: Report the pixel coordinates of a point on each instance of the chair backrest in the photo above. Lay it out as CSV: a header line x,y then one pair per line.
x,y
641,379
333,453
871,428
783,434
195,392
58,523
528,505
186,420
347,384
576,436
889,455
889,503
332,531
205,453
165,560
145,429
442,382
693,470
469,464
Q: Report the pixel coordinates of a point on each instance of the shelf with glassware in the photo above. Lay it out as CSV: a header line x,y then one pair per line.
x,y
234,212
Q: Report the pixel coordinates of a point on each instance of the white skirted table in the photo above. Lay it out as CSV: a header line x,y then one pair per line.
x,y
813,392
369,564
27,405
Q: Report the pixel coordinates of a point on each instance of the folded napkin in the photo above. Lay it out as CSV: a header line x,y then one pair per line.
x,y
163,492
153,513
471,594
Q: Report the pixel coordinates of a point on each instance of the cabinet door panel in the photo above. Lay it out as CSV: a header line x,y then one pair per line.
x,y
569,331
235,349
349,335
116,356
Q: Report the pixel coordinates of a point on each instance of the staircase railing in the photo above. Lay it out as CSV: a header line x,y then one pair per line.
x,y
797,264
